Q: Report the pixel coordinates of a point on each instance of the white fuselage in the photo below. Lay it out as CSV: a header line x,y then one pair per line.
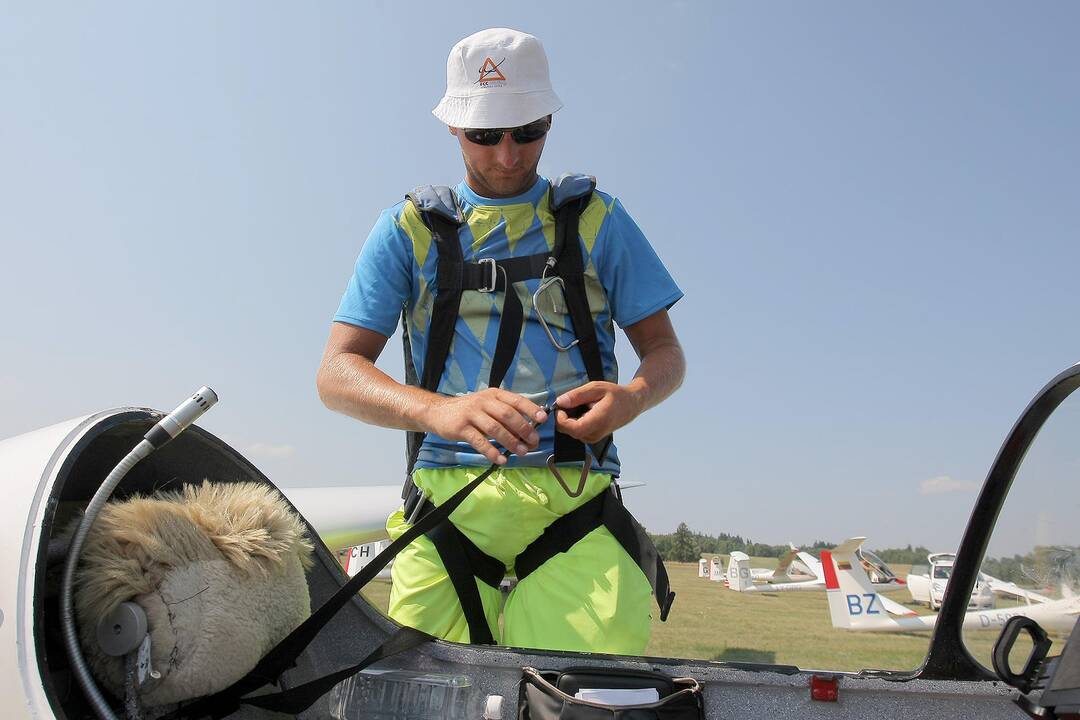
x,y
30,463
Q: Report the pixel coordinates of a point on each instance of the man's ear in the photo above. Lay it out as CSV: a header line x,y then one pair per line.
x,y
453,130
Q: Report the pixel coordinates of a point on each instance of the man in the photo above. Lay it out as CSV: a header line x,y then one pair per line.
x,y
484,393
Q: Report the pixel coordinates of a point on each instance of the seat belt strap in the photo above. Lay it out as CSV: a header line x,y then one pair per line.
x,y
283,655
298,699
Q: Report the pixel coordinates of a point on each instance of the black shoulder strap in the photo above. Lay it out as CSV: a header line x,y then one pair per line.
x,y
298,699
413,440
571,186
570,267
444,224
570,195
439,209
437,199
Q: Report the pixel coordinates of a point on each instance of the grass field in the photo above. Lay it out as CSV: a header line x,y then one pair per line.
x,y
710,622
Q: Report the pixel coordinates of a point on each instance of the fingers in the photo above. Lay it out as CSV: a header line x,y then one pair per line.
x,y
494,416
511,419
500,434
523,405
590,427
483,446
501,417
587,393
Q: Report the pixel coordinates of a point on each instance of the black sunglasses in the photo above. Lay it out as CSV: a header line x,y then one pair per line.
x,y
521,135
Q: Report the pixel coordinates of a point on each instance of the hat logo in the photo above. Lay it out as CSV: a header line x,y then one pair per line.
x,y
490,73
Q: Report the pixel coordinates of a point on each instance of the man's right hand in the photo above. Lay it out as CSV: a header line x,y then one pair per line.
x,y
489,415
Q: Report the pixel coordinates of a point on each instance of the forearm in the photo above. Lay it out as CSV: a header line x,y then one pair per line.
x,y
660,374
351,384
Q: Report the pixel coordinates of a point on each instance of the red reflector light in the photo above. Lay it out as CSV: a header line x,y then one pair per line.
x,y
824,689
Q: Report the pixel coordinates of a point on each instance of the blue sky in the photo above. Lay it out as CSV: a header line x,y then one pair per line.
x,y
872,208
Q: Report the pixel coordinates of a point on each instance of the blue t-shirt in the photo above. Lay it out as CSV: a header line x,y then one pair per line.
x,y
625,282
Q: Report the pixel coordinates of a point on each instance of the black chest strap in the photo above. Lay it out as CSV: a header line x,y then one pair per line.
x,y
569,195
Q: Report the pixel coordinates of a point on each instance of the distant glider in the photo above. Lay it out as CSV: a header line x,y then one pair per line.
x,y
855,605
740,575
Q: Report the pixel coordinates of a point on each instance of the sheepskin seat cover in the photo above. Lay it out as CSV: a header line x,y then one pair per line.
x,y
219,570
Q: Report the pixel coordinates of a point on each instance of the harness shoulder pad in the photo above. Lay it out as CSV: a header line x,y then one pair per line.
x,y
438,199
569,187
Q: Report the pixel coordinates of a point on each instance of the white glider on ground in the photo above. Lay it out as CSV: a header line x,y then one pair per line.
x,y
740,575
789,569
346,516
713,568
855,605
1011,589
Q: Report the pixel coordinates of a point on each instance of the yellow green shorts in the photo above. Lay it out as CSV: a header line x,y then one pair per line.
x,y
593,598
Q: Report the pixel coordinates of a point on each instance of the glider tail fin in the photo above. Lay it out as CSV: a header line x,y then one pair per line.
x,y
738,574
853,602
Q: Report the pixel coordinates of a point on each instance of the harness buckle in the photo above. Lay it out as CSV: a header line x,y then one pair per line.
x,y
489,263
413,505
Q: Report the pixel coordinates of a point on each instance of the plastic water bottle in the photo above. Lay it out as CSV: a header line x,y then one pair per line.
x,y
409,695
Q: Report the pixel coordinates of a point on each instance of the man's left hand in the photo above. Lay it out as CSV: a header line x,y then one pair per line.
x,y
609,407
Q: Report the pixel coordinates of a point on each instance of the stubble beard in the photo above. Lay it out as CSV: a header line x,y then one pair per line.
x,y
492,187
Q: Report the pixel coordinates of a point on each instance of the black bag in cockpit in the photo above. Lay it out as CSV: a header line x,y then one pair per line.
x,y
579,694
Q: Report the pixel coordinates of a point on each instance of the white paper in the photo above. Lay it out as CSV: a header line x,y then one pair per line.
x,y
143,660
613,696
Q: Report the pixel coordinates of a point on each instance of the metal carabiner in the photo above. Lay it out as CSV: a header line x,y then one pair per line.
x,y
546,283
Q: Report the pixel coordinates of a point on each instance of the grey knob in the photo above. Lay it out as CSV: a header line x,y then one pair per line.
x,y
122,630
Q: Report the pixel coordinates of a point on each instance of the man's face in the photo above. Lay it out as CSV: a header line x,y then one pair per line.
x,y
502,170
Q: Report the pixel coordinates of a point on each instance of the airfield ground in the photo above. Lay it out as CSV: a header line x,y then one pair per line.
x,y
710,622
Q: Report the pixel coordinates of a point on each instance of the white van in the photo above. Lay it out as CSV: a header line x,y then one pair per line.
x,y
927,583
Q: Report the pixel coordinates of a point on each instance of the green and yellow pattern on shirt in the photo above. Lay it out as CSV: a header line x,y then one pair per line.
x,y
625,282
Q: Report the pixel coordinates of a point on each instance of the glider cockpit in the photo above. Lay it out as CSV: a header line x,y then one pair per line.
x,y
53,473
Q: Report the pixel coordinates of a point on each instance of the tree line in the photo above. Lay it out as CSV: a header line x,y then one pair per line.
x,y
685,545
1044,565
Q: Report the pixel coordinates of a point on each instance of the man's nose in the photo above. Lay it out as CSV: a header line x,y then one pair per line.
x,y
507,151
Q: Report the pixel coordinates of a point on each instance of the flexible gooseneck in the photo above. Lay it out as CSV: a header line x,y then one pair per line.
x,y
165,430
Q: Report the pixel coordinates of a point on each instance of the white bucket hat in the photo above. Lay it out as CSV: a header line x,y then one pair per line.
x,y
496,78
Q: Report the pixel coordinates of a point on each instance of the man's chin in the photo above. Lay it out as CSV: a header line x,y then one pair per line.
x,y
508,187
497,185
